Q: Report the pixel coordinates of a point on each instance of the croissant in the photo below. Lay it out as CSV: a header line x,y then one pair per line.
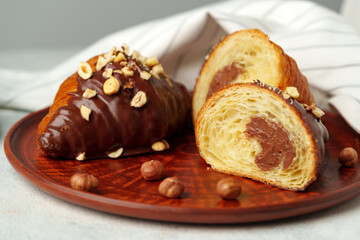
x,y
117,104
245,56
257,131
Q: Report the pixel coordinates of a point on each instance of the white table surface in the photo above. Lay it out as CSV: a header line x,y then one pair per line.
x,y
27,212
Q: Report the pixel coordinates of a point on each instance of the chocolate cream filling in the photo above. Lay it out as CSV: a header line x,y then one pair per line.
x,y
224,77
275,143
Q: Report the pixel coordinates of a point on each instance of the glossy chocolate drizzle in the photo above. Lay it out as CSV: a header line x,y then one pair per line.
x,y
113,122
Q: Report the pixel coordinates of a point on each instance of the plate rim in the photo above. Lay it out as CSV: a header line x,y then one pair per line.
x,y
339,196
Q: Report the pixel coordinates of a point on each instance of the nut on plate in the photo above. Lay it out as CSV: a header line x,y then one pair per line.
x,y
171,187
160,145
229,188
116,153
152,170
84,181
348,157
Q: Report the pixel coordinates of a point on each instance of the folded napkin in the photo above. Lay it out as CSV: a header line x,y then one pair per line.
x,y
326,48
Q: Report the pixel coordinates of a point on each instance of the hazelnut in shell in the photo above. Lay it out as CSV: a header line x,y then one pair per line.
x,y
152,170
229,188
348,157
84,181
171,187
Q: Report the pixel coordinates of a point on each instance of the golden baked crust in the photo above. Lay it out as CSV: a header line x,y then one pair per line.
x,y
257,58
251,130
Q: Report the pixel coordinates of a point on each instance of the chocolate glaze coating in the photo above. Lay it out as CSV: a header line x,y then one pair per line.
x,y
314,125
113,122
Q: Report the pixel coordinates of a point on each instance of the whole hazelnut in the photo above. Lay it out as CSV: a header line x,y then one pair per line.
x,y
152,170
171,187
348,157
84,181
228,188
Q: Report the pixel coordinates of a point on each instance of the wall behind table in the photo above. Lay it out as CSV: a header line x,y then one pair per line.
x,y
39,24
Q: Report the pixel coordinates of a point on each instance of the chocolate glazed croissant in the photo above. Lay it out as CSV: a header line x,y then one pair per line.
x,y
117,104
257,131
245,56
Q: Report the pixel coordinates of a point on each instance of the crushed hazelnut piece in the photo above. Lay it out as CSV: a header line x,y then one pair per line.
x,y
81,157
150,62
107,73
128,85
120,57
135,54
84,70
89,93
85,112
317,112
156,70
125,48
116,153
292,91
307,107
139,99
111,86
101,63
286,96
109,54
118,71
123,63
127,71
145,75
160,145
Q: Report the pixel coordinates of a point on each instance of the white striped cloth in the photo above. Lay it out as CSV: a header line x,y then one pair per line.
x,y
325,46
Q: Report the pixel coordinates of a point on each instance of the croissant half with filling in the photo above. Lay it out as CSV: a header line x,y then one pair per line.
x,y
245,56
257,131
117,104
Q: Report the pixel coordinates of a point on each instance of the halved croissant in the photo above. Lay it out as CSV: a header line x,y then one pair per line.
x,y
116,105
245,56
255,131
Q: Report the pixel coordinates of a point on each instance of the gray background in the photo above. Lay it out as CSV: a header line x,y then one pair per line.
x,y
41,24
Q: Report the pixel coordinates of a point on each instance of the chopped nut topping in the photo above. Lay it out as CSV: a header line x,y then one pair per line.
x,y
307,107
150,62
129,85
84,70
101,63
317,112
120,57
160,145
107,73
85,112
89,93
126,48
135,55
81,156
123,63
292,91
156,70
111,52
127,71
116,154
286,96
145,75
139,99
111,86
118,71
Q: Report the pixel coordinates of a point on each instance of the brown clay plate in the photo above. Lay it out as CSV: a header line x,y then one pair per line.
x,y
123,191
